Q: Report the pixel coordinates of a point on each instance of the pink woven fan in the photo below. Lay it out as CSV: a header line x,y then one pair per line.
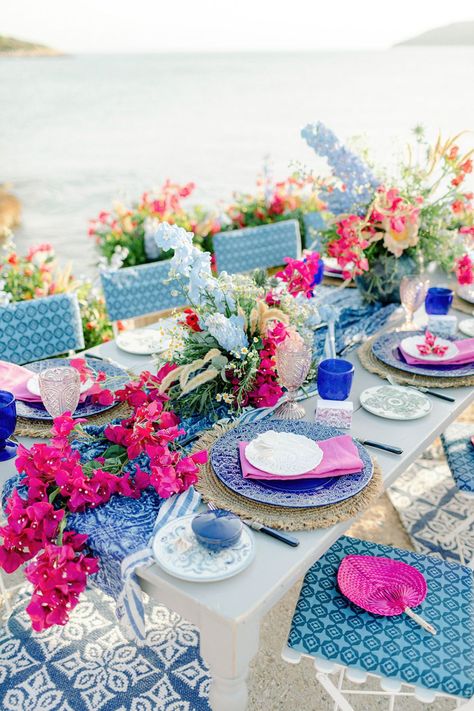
x,y
383,586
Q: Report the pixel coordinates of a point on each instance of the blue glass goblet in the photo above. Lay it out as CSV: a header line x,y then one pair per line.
x,y
438,300
335,377
7,425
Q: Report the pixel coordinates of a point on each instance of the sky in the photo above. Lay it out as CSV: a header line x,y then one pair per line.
x,y
224,25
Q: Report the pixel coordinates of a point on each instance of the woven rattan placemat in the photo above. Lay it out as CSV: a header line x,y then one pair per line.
x,y
286,519
374,365
38,428
461,305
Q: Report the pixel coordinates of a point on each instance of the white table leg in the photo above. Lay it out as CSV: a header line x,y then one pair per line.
x,y
228,648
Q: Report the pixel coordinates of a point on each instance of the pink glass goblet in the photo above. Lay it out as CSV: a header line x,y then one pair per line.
x,y
293,361
60,389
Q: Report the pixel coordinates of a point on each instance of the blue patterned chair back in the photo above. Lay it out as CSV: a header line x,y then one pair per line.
x,y
257,247
326,625
313,225
32,330
136,291
459,452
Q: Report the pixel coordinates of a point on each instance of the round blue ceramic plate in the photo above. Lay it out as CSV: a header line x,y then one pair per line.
x,y
386,349
116,377
305,493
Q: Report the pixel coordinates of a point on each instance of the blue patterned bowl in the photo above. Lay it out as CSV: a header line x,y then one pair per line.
x,y
217,529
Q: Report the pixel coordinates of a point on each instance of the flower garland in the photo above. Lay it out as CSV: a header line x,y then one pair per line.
x,y
54,482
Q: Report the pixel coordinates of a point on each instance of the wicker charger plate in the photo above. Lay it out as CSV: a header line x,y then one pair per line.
x,y
211,489
334,281
38,428
462,305
371,363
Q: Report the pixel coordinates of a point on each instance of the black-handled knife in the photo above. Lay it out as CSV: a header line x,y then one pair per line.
x,y
283,537
385,447
439,395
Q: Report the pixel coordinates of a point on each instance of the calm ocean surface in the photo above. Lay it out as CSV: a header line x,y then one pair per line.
x,y
79,132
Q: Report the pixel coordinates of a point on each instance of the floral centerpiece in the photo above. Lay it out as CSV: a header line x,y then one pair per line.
x,y
37,274
121,232
395,226
274,200
136,454
235,323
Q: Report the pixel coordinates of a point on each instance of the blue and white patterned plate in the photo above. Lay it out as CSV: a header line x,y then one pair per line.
x,y
116,378
303,493
386,349
178,552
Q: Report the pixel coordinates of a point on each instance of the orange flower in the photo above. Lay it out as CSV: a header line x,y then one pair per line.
x,y
466,167
457,180
453,153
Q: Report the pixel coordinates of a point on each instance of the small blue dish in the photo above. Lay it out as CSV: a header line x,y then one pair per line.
x,y
217,529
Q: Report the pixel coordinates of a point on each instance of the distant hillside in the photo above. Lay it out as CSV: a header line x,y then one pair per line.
x,y
457,34
10,46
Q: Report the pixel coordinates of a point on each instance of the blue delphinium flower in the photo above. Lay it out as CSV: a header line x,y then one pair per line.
x,y
189,262
357,177
228,332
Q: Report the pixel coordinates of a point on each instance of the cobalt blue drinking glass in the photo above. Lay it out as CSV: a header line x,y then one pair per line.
x,y
335,377
438,300
7,425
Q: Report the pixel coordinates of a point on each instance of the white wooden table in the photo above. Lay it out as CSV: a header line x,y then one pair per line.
x,y
228,613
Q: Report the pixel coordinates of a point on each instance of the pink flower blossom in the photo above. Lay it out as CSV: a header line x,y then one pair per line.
x,y
465,270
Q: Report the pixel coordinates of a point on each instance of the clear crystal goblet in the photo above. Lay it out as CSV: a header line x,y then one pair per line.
x,y
60,389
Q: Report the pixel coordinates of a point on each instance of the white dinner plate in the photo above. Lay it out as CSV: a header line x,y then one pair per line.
x,y
466,292
395,402
285,453
178,552
467,327
33,385
146,341
410,346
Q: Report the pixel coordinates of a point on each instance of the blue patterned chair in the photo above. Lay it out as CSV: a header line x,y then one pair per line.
x,y
257,247
41,328
343,639
313,225
136,291
459,450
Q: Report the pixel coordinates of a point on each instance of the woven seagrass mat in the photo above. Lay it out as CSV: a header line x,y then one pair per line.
x,y
462,305
286,519
333,281
374,365
38,428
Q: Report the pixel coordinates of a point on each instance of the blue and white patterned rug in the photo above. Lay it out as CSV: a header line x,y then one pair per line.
x,y
89,666
430,506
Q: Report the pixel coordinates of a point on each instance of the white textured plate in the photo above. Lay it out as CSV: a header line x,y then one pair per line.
x,y
332,268
466,292
467,326
395,402
410,346
287,454
177,551
145,341
33,385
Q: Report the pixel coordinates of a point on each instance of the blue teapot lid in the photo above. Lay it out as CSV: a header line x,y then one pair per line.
x,y
217,525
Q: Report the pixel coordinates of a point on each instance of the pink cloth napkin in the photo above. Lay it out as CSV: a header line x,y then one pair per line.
x,y
14,378
340,456
465,355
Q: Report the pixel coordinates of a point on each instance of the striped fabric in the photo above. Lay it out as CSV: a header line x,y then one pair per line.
x,y
130,610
